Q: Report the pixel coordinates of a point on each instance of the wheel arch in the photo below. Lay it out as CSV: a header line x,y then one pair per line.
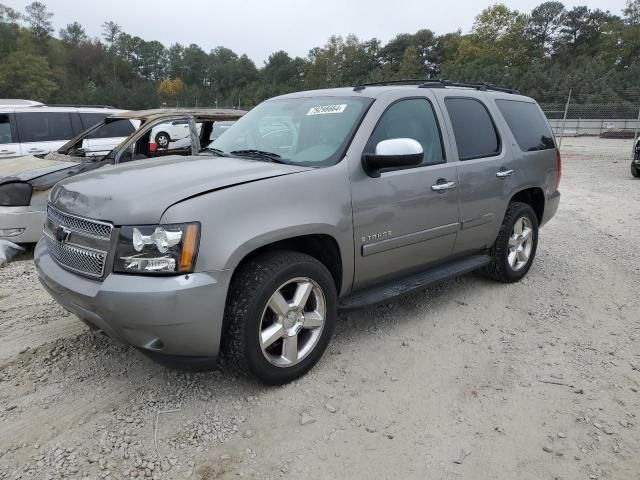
x,y
533,196
324,247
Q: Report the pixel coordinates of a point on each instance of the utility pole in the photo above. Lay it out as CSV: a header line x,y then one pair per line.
x,y
564,119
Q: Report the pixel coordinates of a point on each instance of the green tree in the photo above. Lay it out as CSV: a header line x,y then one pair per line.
x,y
110,32
632,12
73,34
411,66
39,20
543,24
9,15
27,76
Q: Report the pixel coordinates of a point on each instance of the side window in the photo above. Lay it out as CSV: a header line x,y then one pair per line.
x,y
44,126
5,130
475,133
527,124
111,129
412,118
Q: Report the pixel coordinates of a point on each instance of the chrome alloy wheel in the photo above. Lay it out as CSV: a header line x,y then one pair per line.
x,y
292,322
520,243
163,141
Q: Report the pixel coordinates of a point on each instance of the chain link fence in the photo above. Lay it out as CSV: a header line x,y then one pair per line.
x,y
607,120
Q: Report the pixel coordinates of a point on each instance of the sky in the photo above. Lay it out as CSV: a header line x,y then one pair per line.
x,y
261,27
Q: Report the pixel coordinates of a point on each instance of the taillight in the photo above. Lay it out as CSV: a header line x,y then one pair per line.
x,y
558,168
153,147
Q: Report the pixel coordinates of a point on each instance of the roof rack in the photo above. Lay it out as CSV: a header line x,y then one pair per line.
x,y
437,83
73,105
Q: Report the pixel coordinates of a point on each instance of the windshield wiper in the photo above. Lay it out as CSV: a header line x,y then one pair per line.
x,y
269,156
217,151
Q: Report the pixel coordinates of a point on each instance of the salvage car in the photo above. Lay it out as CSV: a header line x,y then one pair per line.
x,y
320,200
25,181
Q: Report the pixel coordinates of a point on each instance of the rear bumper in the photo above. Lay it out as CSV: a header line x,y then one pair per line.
x,y
550,207
177,315
27,223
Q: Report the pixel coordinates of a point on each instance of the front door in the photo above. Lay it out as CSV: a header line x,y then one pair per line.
x,y
407,218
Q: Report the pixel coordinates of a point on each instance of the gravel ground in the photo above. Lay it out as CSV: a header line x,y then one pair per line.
x,y
470,379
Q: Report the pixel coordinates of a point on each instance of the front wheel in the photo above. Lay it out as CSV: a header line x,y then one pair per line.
x,y
515,247
280,316
634,170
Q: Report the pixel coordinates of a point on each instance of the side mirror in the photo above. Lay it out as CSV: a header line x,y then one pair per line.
x,y
393,153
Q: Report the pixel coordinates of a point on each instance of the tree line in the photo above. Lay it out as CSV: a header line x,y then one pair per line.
x,y
543,53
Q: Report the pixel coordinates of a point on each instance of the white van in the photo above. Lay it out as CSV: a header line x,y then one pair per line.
x,y
34,129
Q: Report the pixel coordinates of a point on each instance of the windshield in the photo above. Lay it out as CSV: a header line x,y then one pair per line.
x,y
311,131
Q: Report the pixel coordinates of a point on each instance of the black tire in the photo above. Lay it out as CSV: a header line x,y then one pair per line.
x,y
163,139
634,170
499,268
251,288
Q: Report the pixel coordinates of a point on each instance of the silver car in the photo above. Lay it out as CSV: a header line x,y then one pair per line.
x,y
315,201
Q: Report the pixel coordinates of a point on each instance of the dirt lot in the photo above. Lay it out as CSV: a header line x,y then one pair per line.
x,y
471,379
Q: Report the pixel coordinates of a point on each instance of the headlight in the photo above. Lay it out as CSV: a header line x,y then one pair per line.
x,y
15,194
163,249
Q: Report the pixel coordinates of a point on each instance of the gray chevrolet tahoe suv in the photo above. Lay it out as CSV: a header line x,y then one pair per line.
x,y
312,202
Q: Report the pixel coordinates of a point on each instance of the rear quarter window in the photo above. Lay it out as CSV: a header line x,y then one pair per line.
x,y
473,128
44,126
528,125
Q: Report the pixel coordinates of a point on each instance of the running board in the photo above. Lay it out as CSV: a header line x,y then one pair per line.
x,y
382,293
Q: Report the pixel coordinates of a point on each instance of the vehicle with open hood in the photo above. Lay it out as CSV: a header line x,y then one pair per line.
x,y
25,181
317,200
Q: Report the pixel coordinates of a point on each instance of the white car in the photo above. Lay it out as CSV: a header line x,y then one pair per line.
x,y
30,128
175,134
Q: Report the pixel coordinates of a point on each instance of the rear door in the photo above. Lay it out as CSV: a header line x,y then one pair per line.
x,y
41,132
485,168
9,145
403,221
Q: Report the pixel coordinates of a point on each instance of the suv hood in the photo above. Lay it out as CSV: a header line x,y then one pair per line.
x,y
140,192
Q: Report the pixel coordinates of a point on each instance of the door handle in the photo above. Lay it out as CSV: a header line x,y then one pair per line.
x,y
35,150
504,173
444,186
6,152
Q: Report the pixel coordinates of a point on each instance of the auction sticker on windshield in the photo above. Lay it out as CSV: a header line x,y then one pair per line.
x,y
326,109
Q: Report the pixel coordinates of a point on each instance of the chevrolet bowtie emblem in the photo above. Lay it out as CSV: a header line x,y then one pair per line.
x,y
62,234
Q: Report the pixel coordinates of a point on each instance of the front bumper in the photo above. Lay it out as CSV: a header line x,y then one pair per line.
x,y
176,315
27,220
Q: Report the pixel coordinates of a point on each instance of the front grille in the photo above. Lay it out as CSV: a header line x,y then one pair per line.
x,y
78,244
78,259
81,225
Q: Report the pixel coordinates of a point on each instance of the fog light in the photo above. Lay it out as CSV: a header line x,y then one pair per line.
x,y
10,232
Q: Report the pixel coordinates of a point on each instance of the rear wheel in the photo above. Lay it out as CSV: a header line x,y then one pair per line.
x,y
162,140
634,170
280,316
515,248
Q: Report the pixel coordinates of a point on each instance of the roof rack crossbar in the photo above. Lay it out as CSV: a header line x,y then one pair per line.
x,y
437,83
361,86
